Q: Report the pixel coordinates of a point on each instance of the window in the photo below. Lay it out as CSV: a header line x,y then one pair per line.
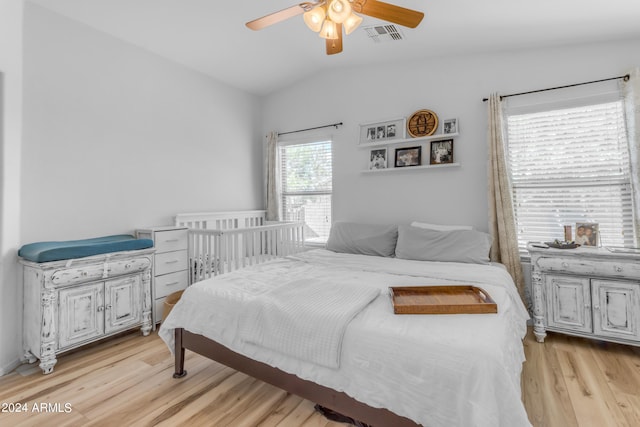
x,y
570,164
306,186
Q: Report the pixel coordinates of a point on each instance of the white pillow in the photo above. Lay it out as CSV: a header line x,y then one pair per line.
x,y
439,227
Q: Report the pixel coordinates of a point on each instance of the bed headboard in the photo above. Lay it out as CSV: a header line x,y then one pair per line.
x,y
222,220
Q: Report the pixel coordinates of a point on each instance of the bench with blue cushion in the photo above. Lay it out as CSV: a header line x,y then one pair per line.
x,y
71,249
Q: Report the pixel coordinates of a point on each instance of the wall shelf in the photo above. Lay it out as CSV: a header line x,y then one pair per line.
x,y
406,140
410,168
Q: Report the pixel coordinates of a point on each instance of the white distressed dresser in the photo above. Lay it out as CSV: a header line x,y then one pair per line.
x,y
170,267
589,292
73,302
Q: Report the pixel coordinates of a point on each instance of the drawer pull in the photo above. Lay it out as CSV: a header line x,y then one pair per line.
x,y
172,240
172,261
127,266
172,284
565,264
100,308
618,268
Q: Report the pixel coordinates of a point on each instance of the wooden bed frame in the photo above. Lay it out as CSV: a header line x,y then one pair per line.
x,y
324,396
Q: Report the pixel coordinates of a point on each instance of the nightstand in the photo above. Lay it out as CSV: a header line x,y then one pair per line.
x,y
170,265
588,292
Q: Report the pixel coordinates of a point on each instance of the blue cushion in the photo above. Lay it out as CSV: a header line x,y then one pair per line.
x,y
56,251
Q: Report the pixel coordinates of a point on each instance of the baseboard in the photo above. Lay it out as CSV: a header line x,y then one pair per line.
x,y
9,367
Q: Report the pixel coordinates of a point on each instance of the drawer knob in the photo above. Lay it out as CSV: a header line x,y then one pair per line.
x,y
127,266
84,274
618,268
565,264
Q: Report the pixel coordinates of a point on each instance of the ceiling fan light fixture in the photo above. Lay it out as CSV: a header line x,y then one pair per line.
x,y
351,23
314,18
339,10
329,30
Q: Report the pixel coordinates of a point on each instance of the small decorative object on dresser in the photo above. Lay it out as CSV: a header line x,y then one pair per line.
x,y
382,131
450,126
170,266
409,156
80,291
441,152
586,292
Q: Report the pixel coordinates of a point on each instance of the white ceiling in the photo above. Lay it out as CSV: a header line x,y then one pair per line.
x,y
210,35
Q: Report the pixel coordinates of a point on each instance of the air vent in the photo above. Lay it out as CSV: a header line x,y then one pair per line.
x,y
384,33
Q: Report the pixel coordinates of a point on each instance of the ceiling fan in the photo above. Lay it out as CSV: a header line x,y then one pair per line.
x,y
328,17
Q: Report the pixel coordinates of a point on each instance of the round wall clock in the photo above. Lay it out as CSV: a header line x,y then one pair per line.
x,y
422,123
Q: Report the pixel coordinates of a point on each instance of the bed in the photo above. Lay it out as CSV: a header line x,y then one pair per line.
x,y
386,369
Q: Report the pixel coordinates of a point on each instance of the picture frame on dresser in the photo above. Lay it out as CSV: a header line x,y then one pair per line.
x,y
587,234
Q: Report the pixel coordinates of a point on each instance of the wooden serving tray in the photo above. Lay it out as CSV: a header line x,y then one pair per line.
x,y
441,300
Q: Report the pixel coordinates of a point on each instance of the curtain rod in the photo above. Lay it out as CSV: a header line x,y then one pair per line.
x,y
317,127
625,78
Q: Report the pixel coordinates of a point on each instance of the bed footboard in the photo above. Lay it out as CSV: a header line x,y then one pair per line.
x,y
324,396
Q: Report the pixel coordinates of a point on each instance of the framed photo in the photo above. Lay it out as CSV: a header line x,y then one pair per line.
x,y
383,131
587,234
410,156
441,152
378,159
450,126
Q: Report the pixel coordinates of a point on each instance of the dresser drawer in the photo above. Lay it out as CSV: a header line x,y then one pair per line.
x,y
104,270
170,262
584,266
172,282
172,240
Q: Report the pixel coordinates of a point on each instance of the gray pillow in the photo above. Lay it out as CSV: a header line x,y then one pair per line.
x,y
364,239
431,245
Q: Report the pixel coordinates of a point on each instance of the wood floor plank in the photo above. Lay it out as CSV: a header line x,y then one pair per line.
x,y
593,402
566,382
542,373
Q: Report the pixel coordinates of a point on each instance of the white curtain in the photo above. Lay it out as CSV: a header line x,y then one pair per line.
x,y
631,89
501,217
273,190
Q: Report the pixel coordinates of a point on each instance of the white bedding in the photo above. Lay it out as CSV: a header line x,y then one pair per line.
x,y
439,370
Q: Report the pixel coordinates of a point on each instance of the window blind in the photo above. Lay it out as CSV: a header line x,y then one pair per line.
x,y
307,183
568,166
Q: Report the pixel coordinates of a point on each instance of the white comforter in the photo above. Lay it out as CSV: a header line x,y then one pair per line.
x,y
438,370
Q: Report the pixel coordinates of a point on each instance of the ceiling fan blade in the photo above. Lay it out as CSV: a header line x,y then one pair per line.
x,y
335,46
389,12
274,18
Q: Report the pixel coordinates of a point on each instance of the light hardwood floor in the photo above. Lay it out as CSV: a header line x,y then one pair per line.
x,y
127,381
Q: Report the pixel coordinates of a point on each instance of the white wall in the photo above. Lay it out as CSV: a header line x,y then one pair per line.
x,y
11,12
450,86
118,138
114,138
